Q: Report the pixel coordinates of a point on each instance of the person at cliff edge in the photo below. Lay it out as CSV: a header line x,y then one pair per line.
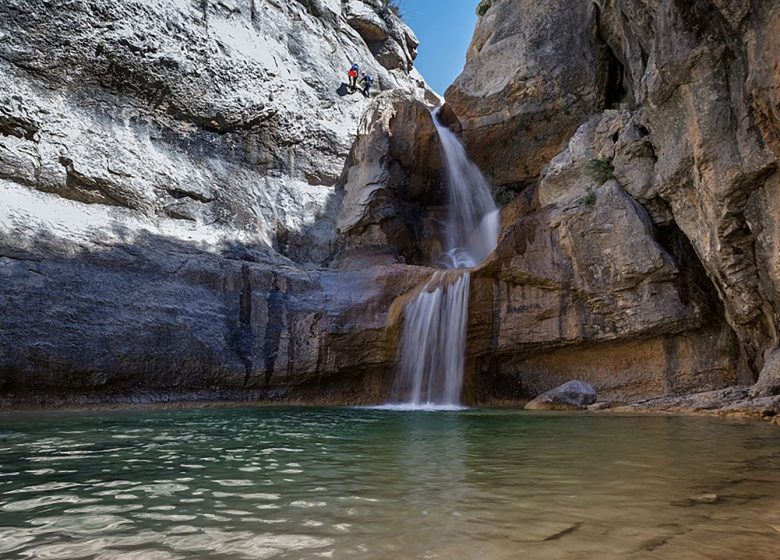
x,y
367,80
353,76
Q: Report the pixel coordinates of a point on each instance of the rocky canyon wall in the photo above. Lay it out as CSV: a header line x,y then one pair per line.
x,y
171,184
639,138
194,205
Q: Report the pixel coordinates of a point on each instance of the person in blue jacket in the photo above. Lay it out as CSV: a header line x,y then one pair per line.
x,y
367,80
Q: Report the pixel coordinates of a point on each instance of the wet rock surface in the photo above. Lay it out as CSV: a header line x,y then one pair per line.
x,y
732,402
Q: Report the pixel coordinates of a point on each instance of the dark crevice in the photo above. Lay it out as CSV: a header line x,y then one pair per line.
x,y
179,194
702,18
312,7
21,128
615,90
645,57
204,7
243,335
86,189
694,285
273,328
217,123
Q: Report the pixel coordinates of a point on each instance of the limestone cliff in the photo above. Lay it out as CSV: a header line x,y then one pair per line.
x,y
194,204
171,179
640,138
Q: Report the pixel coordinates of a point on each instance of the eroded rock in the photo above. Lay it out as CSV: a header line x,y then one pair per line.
x,y
239,117
674,107
393,186
171,175
585,289
520,96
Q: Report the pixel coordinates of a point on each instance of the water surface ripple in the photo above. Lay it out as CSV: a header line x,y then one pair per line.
x,y
309,483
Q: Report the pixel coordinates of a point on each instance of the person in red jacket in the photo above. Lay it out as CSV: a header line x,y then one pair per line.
x,y
353,76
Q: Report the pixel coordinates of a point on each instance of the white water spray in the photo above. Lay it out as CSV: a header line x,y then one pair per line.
x,y
433,342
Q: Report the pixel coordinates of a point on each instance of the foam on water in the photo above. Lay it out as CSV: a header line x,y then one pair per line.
x,y
422,407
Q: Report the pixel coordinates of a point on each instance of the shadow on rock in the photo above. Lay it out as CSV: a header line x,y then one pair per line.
x,y
148,318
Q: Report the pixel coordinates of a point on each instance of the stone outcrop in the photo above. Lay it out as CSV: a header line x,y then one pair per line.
x,y
171,177
640,252
391,41
533,72
583,284
393,187
573,395
732,402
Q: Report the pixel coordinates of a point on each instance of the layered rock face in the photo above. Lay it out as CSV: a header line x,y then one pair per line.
x,y
642,257
195,205
171,178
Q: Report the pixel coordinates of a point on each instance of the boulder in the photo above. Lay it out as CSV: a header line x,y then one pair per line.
x,y
768,384
573,395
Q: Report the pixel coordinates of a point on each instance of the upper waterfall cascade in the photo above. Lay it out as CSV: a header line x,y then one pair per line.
x,y
433,342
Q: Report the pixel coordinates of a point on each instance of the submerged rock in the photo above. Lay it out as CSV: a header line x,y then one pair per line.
x,y
574,395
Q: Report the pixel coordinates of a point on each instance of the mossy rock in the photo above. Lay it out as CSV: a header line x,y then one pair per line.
x,y
483,7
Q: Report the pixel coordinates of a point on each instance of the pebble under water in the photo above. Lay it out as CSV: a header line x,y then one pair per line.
x,y
311,483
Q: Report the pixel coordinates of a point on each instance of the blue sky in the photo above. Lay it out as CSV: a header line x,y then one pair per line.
x,y
444,28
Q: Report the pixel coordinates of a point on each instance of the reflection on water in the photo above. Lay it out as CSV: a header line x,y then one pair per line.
x,y
371,484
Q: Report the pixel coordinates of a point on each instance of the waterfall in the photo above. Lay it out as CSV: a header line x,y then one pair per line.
x,y
433,341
